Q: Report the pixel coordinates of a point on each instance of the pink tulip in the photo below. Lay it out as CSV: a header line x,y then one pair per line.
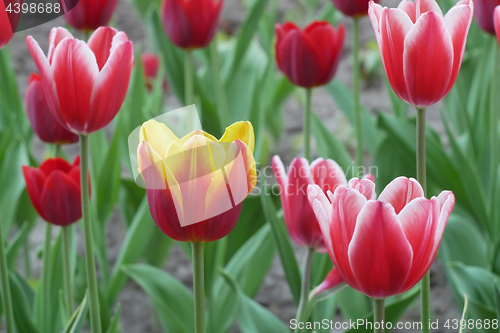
x,y
381,247
496,19
421,50
298,214
85,83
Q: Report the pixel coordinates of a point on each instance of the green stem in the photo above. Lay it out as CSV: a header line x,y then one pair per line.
x,y
307,125
46,274
6,296
220,93
95,319
27,259
188,78
304,290
199,287
425,298
378,315
494,131
66,233
57,150
356,87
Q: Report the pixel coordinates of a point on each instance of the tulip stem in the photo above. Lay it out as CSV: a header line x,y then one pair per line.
x,y
307,124
378,315
356,94
220,93
66,233
302,310
198,287
425,289
46,275
494,130
6,295
189,85
95,319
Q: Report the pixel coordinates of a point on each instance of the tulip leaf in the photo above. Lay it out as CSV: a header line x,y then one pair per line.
x,y
115,323
169,297
22,296
78,318
17,242
253,317
283,245
324,310
353,304
129,199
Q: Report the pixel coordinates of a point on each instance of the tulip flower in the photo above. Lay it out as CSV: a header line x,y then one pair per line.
x,y
43,123
496,18
8,20
381,247
297,212
88,15
421,49
151,65
54,190
301,55
484,14
332,280
353,8
85,83
186,188
191,24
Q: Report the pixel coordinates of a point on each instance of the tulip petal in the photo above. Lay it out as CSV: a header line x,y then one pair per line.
x,y
151,167
379,253
364,186
457,22
427,43
419,220
327,174
409,8
496,21
35,180
400,192
54,164
75,71
322,209
59,197
332,280
100,44
55,37
447,202
424,6
158,135
245,162
242,131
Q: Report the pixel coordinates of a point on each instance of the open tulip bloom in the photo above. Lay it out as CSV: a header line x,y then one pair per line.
x,y
381,247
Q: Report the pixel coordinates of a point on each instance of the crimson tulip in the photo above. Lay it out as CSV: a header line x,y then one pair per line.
x,y
151,65
484,14
54,190
43,123
309,57
297,212
196,184
353,8
381,247
89,15
191,24
421,49
8,20
85,83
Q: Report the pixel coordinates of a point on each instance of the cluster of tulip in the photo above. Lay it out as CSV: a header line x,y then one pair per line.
x,y
381,246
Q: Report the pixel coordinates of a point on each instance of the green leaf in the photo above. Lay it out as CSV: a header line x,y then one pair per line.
x,y
17,243
170,297
21,295
353,304
114,326
77,320
282,241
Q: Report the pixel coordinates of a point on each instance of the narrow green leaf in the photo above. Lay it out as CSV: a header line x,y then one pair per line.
x,y
78,318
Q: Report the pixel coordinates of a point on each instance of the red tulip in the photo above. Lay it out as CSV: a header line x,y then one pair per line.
x,y
421,50
309,58
8,20
497,22
54,190
85,84
191,24
151,65
43,123
353,8
484,14
89,15
381,247
298,214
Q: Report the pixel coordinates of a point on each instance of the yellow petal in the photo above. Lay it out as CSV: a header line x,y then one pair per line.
x,y
188,136
158,135
243,131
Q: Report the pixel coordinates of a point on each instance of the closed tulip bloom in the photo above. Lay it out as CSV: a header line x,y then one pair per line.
x,y
196,184
43,123
484,14
421,49
89,15
353,8
309,57
54,190
191,24
299,217
151,65
85,83
381,247
8,21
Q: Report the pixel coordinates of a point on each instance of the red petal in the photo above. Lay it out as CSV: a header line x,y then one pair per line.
x,y
364,186
424,6
53,164
100,43
400,192
35,180
55,37
61,199
327,174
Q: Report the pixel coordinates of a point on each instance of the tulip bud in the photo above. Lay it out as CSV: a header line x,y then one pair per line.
x,y
309,57
43,123
151,65
353,8
8,20
191,24
88,15
484,14
54,190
